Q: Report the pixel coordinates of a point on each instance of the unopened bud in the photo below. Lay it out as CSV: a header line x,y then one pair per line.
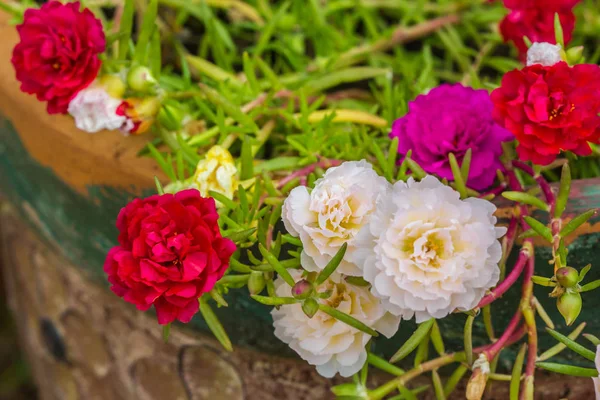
x,y
256,282
476,385
310,307
302,289
569,306
567,276
574,55
140,78
113,85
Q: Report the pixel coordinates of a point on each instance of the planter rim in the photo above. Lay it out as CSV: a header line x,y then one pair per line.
x,y
55,142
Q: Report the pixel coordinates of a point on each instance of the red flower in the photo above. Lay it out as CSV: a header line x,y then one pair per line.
x,y
170,253
550,109
554,5
537,23
58,52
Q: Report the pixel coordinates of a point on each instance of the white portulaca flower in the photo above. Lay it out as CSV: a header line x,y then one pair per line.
x,y
597,380
94,110
427,253
546,54
329,344
333,213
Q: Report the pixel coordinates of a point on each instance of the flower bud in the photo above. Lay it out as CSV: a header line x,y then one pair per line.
x,y
575,55
302,289
140,78
569,306
113,85
476,385
256,282
567,276
140,114
310,307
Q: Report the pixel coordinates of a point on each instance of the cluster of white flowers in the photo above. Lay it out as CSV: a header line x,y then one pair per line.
x,y
423,250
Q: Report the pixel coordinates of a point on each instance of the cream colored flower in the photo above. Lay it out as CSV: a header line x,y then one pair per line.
x,y
427,253
546,54
331,345
333,213
94,110
216,172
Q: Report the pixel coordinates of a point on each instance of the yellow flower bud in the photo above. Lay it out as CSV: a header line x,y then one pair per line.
x,y
113,85
140,113
217,172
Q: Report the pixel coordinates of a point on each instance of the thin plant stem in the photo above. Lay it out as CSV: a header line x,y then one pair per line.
x,y
506,284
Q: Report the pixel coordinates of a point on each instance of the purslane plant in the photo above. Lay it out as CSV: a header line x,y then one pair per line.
x,y
369,237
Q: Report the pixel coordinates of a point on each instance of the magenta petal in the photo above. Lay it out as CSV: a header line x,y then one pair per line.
x,y
193,265
187,313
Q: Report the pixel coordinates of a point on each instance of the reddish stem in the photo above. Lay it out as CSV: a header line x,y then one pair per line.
x,y
510,279
495,191
515,337
541,181
493,350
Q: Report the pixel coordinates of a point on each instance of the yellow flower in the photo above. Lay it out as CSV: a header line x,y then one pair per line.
x,y
217,172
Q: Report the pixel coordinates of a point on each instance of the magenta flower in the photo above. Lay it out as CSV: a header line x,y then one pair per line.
x,y
453,119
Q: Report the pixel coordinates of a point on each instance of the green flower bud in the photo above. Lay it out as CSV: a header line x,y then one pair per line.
x,y
303,289
574,55
140,79
569,306
310,307
256,282
567,276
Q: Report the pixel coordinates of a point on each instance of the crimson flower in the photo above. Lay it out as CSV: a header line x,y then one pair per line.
x,y
537,24
57,55
550,109
170,253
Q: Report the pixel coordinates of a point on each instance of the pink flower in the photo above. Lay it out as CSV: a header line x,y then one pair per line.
x,y
170,253
452,119
58,52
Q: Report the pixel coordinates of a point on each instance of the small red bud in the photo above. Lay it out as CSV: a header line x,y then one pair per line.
x,y
302,289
